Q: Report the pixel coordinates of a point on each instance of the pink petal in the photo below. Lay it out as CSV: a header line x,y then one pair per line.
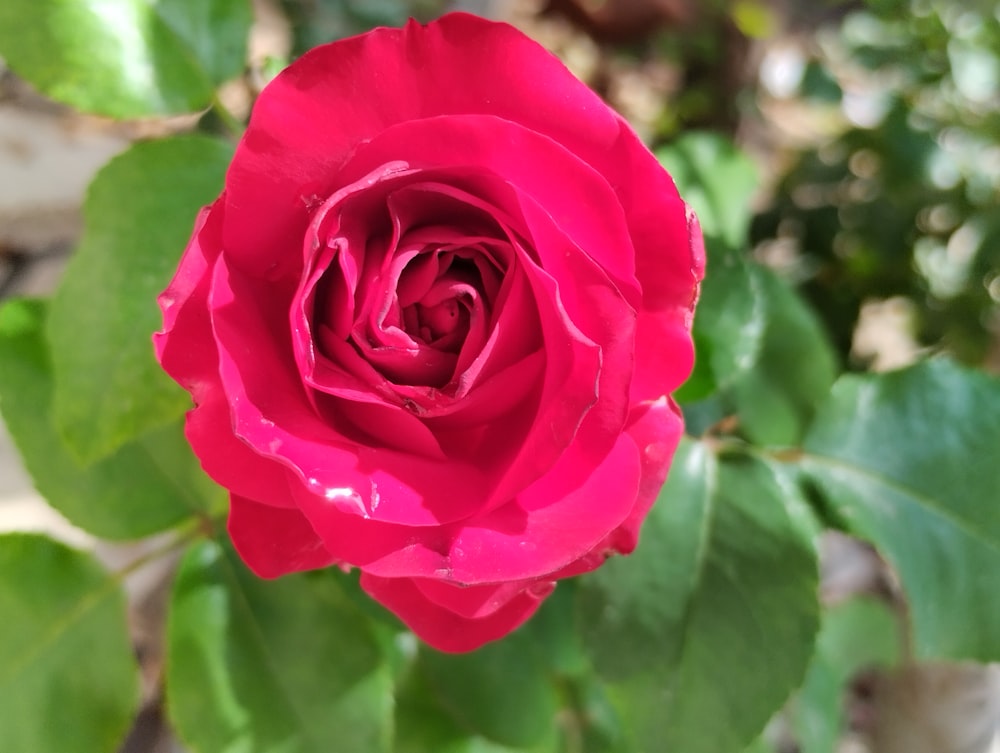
x,y
184,347
656,428
442,628
273,415
274,542
523,540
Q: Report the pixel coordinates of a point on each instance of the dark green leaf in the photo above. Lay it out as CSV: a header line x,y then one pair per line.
x,y
423,724
144,487
794,371
129,58
707,628
728,327
909,461
501,691
139,213
287,666
68,680
856,634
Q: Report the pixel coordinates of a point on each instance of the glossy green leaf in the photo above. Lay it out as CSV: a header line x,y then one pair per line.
x,y
728,329
68,679
287,666
502,691
718,181
908,460
855,634
794,371
139,213
144,487
126,58
705,630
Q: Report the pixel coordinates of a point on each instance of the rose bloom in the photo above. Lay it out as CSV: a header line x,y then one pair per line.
x,y
432,324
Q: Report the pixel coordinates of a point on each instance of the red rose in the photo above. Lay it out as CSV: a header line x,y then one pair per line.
x,y
432,325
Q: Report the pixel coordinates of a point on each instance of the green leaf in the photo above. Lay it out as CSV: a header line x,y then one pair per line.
x,y
794,370
908,461
287,666
502,691
128,58
68,679
760,745
856,634
728,327
139,213
423,724
706,629
144,487
718,181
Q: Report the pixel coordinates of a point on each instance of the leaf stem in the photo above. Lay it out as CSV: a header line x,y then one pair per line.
x,y
193,528
232,124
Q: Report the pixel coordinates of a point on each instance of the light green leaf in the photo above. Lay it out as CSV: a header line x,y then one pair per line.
x,y
139,213
287,666
68,679
126,58
908,459
501,691
718,181
707,628
855,634
144,487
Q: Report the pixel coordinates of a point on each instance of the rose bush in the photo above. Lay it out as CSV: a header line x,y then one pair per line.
x,y
432,324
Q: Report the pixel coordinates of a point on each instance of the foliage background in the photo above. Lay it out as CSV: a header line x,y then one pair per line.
x,y
844,159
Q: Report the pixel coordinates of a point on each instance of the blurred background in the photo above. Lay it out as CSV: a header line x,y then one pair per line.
x,y
874,126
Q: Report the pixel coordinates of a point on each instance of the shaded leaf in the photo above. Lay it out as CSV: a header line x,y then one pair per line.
x,y
266,666
793,372
502,691
729,327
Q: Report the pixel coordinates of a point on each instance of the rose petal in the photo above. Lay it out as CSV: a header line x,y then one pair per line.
x,y
475,602
488,142
273,415
442,628
184,346
656,428
527,539
274,542
311,120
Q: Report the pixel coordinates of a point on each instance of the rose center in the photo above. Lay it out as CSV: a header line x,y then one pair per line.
x,y
443,324
435,321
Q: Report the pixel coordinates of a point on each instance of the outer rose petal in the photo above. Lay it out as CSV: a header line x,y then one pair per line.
x,y
184,347
318,111
273,541
545,529
440,626
656,429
